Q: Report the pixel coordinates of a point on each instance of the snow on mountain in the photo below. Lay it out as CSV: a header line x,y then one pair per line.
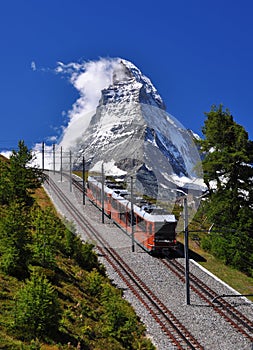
x,y
132,133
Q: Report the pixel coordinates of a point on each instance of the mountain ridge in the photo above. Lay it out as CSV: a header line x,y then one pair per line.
x,y
131,123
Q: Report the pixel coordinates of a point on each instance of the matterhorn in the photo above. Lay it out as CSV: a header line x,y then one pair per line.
x,y
131,134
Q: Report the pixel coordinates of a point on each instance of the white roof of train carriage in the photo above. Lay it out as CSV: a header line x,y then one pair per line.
x,y
139,211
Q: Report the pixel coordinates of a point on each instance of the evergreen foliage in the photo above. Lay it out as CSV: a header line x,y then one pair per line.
x,y
66,298
45,237
228,174
5,184
38,312
18,178
82,252
119,322
15,238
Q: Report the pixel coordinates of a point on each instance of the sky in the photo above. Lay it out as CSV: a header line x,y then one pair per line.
x,y
196,53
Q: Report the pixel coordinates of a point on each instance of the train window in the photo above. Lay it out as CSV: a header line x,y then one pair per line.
x,y
121,211
129,215
139,219
150,228
141,223
122,216
115,204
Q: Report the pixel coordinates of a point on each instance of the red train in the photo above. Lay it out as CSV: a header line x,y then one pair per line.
x,y
154,229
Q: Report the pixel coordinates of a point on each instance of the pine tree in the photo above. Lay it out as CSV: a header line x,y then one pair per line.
x,y
37,310
5,185
46,235
228,174
15,238
24,178
228,152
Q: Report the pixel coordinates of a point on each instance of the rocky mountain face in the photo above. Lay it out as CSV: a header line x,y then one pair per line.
x,y
132,134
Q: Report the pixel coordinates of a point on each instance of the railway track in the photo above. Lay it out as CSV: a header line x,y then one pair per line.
x,y
178,334
234,317
231,315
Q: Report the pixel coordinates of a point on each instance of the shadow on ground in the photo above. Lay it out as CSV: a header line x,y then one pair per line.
x,y
192,255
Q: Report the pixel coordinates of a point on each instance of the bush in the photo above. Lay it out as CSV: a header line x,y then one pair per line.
x,y
82,253
15,238
37,312
119,320
94,279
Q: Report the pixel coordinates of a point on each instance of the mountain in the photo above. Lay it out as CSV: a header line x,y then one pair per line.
x,y
3,158
132,134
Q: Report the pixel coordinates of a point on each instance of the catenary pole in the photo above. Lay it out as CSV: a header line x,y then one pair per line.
x,y
83,181
186,251
103,195
54,159
132,214
70,172
43,156
61,163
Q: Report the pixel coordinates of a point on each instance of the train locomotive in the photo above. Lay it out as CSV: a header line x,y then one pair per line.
x,y
153,228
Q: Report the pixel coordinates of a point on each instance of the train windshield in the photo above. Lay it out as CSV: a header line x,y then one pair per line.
x,y
165,230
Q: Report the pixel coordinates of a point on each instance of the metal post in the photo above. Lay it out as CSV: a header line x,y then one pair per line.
x,y
70,172
186,252
230,296
43,155
54,159
83,181
103,195
132,214
61,163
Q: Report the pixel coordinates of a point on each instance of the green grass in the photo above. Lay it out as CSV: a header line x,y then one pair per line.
x,y
234,278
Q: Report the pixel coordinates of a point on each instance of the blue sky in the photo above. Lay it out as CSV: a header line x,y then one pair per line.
x,y
196,53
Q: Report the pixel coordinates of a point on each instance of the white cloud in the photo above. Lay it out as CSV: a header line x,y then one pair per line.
x,y
33,66
89,78
52,138
48,156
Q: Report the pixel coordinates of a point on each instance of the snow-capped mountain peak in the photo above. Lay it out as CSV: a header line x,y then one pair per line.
x,y
129,82
132,130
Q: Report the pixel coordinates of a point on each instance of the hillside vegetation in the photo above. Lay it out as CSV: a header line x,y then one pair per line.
x,y
228,175
54,293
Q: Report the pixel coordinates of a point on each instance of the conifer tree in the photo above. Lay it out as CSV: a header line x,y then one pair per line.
x,y
38,312
228,174
46,235
23,177
5,185
15,238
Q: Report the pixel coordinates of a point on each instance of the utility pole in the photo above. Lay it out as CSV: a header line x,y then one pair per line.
x,y
103,195
54,158
70,172
61,163
43,155
132,214
186,252
83,181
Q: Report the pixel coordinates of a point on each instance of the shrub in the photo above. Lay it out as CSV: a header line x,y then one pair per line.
x,y
37,312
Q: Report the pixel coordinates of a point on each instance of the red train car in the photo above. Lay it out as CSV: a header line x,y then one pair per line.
x,y
153,228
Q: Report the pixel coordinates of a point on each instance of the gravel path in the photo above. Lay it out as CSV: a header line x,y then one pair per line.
x,y
211,330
